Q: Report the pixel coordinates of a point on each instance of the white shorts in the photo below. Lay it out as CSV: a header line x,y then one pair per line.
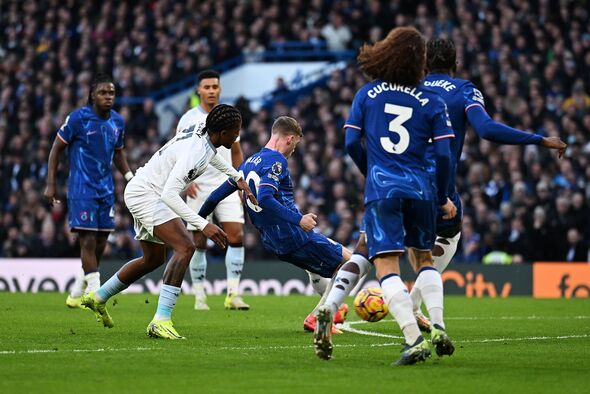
x,y
229,210
148,211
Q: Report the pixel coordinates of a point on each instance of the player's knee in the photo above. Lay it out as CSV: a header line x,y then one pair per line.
x,y
88,242
185,252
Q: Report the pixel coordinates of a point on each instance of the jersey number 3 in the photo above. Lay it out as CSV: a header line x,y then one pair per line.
x,y
397,126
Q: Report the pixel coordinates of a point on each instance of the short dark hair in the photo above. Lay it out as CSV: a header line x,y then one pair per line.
x,y
99,78
441,55
223,117
286,125
398,58
207,74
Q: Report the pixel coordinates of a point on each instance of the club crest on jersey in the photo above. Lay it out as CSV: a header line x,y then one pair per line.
x,y
192,174
277,168
84,216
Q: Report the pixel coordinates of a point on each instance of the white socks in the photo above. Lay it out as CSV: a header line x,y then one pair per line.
x,y
319,283
449,247
77,289
92,281
400,305
429,285
346,281
198,269
234,264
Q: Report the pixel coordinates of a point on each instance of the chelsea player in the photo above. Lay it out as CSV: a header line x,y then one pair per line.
x,y
283,229
398,118
93,135
466,105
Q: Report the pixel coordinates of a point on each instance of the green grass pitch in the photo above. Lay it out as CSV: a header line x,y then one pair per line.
x,y
518,345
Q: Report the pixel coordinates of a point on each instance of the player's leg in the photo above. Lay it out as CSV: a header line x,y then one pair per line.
x,y
386,225
174,234
88,244
234,264
348,276
83,220
419,238
198,264
77,290
448,234
198,270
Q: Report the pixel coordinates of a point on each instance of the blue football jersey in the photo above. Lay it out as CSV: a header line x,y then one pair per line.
x,y
459,95
268,168
398,122
91,141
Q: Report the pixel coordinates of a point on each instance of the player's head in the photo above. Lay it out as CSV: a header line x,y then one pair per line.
x,y
398,58
288,131
223,125
102,92
208,88
441,56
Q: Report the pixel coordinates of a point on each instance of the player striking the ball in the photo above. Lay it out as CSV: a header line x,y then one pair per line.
x,y
283,229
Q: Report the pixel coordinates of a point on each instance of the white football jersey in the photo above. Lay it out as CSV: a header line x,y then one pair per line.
x,y
211,179
184,158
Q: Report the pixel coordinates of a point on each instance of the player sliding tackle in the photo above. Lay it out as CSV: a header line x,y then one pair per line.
x,y
153,198
283,229
397,118
465,105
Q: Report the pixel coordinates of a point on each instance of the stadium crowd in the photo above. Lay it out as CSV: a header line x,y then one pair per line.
x,y
530,59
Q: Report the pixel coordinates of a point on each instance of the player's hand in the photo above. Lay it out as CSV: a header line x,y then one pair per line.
x,y
243,185
554,143
49,195
191,190
215,234
450,210
308,222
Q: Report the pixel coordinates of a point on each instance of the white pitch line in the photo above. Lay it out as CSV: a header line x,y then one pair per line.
x,y
533,317
41,351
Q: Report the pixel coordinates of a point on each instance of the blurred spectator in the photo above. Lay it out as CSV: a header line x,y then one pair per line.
x,y
577,248
531,63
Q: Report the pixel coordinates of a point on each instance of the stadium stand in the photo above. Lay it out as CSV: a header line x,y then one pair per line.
x,y
531,59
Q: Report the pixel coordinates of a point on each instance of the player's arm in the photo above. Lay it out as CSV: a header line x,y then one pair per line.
x,y
355,149
267,201
59,145
220,164
354,128
237,156
442,134
176,182
217,196
120,161
500,133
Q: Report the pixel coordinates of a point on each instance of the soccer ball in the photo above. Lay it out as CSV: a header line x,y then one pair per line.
x,y
370,305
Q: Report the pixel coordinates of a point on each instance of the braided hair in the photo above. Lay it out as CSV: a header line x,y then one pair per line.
x,y
441,55
222,117
97,80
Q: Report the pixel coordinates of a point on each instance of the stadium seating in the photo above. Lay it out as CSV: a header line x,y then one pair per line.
x,y
533,66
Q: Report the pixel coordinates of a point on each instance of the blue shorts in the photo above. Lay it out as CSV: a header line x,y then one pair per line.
x,y
92,214
319,255
450,227
396,223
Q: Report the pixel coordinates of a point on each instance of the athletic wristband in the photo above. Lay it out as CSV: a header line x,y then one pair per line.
x,y
128,175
